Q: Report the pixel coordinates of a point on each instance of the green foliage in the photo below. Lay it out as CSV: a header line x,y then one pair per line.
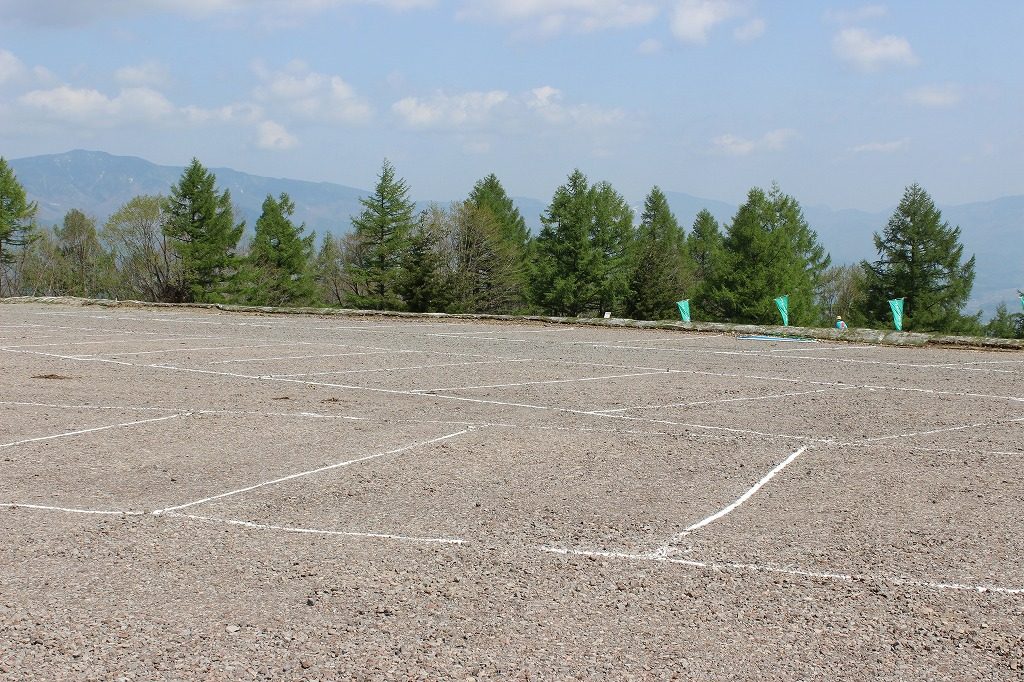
x,y
841,293
769,250
382,231
582,261
329,271
920,259
17,220
148,266
422,280
663,270
277,270
86,268
485,267
489,194
705,247
199,222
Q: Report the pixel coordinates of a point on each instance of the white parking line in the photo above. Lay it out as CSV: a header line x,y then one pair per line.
x,y
68,434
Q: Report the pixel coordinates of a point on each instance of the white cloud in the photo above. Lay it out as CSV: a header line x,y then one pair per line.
x,y
751,30
935,96
869,53
500,110
92,108
149,73
551,17
11,68
449,111
856,15
881,147
273,135
692,20
734,145
311,96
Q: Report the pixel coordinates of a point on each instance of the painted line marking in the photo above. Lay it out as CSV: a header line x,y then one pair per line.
x,y
315,531
402,369
311,472
545,382
310,357
697,403
666,549
68,434
759,568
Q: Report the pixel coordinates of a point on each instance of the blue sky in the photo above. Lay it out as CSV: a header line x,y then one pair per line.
x,y
841,103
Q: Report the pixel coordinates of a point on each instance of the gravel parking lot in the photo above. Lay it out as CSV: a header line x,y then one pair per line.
x,y
193,494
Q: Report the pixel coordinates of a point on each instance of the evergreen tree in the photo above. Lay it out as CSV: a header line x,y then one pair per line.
x,y
148,266
421,283
706,251
920,258
489,194
662,271
769,250
382,231
490,202
17,217
200,224
86,267
277,270
583,251
1005,324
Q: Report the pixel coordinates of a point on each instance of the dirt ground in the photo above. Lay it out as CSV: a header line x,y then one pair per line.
x,y
190,494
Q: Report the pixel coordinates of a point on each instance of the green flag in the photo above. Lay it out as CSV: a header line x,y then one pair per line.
x,y
897,313
684,309
783,303
1022,301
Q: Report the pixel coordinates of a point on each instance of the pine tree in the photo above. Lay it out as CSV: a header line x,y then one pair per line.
x,y
200,224
382,231
277,269
583,251
662,270
920,258
17,217
769,251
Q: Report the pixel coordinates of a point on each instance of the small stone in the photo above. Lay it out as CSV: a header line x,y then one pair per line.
x,y
232,629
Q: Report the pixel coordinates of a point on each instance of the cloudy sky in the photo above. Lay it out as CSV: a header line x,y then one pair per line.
x,y
841,103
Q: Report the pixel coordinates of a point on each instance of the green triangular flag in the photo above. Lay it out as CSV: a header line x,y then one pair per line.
x,y
897,313
684,309
783,304
1022,301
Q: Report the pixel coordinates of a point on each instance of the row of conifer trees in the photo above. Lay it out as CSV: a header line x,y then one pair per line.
x,y
591,256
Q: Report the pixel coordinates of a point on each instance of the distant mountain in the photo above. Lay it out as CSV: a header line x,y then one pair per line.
x,y
99,183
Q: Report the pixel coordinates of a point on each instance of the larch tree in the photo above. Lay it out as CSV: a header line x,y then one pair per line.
x,y
583,252
662,270
382,231
278,269
769,250
17,220
920,258
199,221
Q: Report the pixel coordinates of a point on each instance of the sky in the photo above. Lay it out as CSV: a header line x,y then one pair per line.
x,y
841,103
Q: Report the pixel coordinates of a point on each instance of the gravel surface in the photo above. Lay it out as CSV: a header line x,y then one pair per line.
x,y
189,494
